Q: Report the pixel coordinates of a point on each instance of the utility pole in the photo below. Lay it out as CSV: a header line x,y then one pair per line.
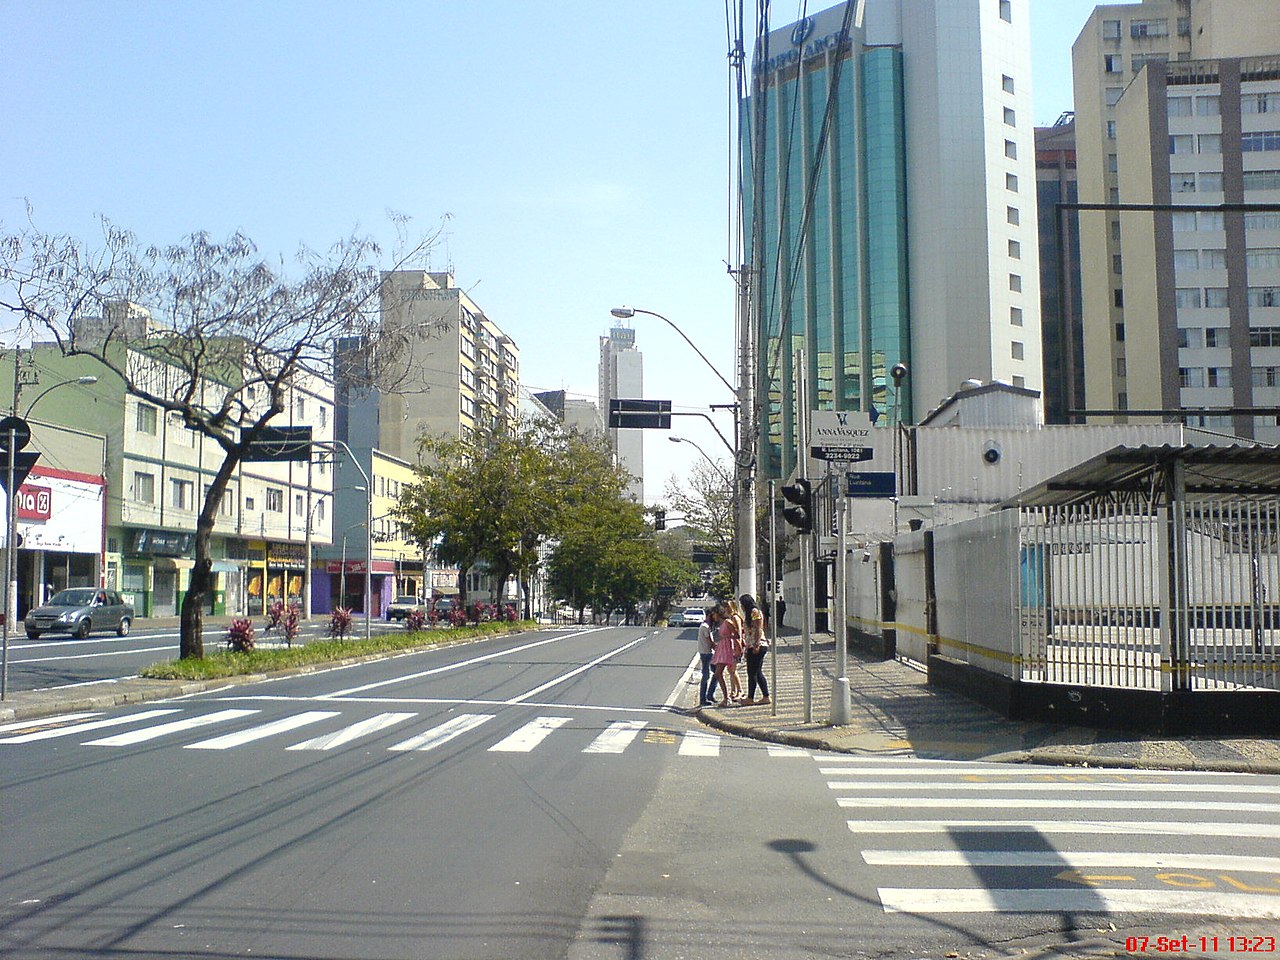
x,y
744,467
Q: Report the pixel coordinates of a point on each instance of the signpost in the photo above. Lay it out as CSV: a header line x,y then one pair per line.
x,y
841,436
279,445
639,414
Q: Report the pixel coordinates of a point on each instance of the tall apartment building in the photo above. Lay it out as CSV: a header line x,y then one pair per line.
x,y
1175,104
1061,332
890,211
621,376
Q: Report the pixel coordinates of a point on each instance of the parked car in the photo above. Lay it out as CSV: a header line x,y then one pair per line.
x,y
80,611
401,607
693,616
444,606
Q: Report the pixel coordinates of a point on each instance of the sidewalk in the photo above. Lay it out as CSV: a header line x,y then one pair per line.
x,y
896,712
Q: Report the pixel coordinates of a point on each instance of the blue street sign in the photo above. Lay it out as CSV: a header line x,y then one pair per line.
x,y
869,484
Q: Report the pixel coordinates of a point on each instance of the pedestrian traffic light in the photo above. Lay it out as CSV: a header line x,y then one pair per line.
x,y
800,513
659,519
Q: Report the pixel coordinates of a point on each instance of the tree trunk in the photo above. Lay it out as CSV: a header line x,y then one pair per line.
x,y
191,643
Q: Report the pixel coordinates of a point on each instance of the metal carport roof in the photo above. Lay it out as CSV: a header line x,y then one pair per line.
x,y
1151,475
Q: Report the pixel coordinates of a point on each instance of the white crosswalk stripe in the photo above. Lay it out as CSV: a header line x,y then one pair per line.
x,y
1223,864
445,732
54,732
349,734
529,736
695,743
165,729
616,737
283,725
783,750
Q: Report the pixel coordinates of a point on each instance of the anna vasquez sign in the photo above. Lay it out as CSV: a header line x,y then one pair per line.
x,y
34,502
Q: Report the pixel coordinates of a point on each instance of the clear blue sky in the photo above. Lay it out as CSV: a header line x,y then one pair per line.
x,y
579,148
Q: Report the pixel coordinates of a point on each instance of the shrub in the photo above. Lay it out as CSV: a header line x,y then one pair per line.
x,y
240,635
415,620
290,624
339,623
275,611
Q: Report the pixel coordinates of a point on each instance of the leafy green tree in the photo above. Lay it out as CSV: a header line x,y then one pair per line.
x,y
705,499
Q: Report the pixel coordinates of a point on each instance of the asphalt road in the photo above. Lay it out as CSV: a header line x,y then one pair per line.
x,y
535,797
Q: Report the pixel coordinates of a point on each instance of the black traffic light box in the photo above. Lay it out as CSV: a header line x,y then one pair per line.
x,y
800,513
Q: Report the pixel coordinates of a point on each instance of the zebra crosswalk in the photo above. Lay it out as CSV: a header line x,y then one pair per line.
x,y
1017,839
237,727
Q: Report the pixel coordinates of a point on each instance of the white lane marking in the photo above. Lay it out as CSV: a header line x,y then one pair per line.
x,y
261,732
436,736
429,701
1065,787
784,750
574,672
695,743
1200,828
677,692
445,668
1021,773
164,729
49,734
1065,858
45,721
1026,802
1095,901
529,736
90,656
616,737
362,728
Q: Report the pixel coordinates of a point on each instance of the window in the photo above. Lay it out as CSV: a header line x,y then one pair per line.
x,y
275,500
144,487
1210,143
1210,182
1178,106
1113,62
1113,163
1264,337
1262,221
1117,297
1119,333
1113,194
1262,179
1113,95
1006,82
1260,140
1122,401
1011,182
1191,376
300,405
323,414
1215,297
1115,231
248,503
1181,144
1122,369
1011,214
1263,258
1264,296
1148,28
1260,103
1117,264
1015,283
1265,376
147,419
298,508
1010,117
1213,259
1015,316
1017,350
1015,250
1187,297
1111,129
1011,150
180,494
1186,260
1006,11
1217,337
1209,220
1219,376
1190,338
320,510
1208,106
1110,29
1182,183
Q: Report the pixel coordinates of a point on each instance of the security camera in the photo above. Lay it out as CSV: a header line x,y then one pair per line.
x,y
991,453
899,373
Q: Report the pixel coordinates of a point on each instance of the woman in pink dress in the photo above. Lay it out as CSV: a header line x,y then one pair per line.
x,y
725,653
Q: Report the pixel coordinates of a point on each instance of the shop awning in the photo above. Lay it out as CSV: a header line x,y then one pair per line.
x,y
174,563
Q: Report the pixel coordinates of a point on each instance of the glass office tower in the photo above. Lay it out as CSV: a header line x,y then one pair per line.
x,y
826,221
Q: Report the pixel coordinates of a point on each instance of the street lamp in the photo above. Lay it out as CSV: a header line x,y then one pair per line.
x,y
744,460
723,476
11,518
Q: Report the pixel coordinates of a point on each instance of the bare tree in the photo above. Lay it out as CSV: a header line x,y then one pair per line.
x,y
228,328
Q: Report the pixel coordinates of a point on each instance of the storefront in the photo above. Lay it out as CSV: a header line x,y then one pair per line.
x,y
346,586
275,571
60,534
156,570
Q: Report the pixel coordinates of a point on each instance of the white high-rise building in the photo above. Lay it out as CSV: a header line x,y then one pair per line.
x,y
622,378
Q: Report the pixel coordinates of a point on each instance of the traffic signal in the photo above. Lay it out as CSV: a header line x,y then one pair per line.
x,y
659,519
800,513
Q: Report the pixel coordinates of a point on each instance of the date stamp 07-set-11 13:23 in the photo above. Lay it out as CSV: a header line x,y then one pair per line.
x,y
1224,945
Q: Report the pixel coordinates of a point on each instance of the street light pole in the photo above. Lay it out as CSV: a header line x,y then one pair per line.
x,y
368,528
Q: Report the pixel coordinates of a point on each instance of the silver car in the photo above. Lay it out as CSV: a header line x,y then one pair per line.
x,y
80,611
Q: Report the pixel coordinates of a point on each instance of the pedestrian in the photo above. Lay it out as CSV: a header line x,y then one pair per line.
x,y
757,646
782,612
734,615
706,647
723,655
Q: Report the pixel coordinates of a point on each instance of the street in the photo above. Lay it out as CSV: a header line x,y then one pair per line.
x,y
536,796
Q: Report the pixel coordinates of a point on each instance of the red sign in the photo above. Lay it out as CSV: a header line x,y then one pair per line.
x,y
34,503
353,566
